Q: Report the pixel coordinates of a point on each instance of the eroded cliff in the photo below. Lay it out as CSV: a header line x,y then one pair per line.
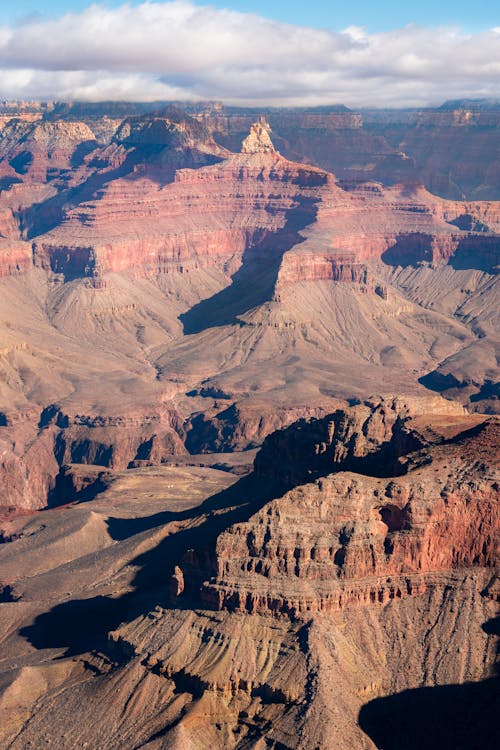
x,y
257,618
215,296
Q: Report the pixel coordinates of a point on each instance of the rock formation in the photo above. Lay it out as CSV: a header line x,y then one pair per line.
x,y
258,141
451,149
217,296
350,540
230,614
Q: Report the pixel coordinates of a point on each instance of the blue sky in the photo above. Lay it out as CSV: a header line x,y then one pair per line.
x,y
336,14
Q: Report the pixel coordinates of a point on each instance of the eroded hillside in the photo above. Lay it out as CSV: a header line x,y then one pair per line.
x,y
161,295
182,607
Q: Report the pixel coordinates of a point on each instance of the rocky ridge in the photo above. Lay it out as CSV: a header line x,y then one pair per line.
x,y
316,603
346,539
234,292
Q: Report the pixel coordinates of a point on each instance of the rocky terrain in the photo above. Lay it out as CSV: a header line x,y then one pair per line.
x,y
325,604
213,534
452,149
215,296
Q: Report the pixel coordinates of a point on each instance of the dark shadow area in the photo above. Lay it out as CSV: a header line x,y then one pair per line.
x,y
77,264
468,223
253,284
448,717
409,250
492,627
6,591
210,392
445,717
474,252
479,253
395,518
81,151
439,382
303,464
402,451
52,414
488,390
83,451
215,434
82,625
7,182
124,528
66,491
21,162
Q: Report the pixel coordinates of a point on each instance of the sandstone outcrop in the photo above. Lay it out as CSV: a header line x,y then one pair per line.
x,y
345,540
258,141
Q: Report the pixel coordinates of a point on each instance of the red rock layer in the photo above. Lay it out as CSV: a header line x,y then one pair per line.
x,y
207,216
159,217
349,539
297,266
212,215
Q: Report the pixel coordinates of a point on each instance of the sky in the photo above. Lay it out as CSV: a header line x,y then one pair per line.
x,y
357,52
329,14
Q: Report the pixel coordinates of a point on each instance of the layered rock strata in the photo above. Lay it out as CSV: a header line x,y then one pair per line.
x,y
239,291
326,600
348,539
231,207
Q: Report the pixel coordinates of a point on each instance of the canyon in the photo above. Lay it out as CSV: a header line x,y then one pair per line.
x,y
217,296
188,607
249,431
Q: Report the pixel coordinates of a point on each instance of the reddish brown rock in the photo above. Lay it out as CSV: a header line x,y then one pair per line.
x,y
15,257
177,582
210,215
337,594
348,539
168,270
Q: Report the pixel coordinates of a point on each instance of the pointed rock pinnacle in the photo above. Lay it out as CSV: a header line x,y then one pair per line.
x,y
258,140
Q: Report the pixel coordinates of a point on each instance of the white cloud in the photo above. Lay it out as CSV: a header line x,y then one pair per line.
x,y
178,50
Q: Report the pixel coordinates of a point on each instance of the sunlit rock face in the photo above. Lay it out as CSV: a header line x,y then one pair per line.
x,y
239,613
215,296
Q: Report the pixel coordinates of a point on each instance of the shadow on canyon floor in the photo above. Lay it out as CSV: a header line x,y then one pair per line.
x,y
253,283
447,717
82,625
444,717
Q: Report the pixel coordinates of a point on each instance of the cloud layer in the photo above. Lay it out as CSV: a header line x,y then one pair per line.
x,y
178,50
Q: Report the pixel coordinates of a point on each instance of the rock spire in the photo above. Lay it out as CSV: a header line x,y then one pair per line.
x,y
258,141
